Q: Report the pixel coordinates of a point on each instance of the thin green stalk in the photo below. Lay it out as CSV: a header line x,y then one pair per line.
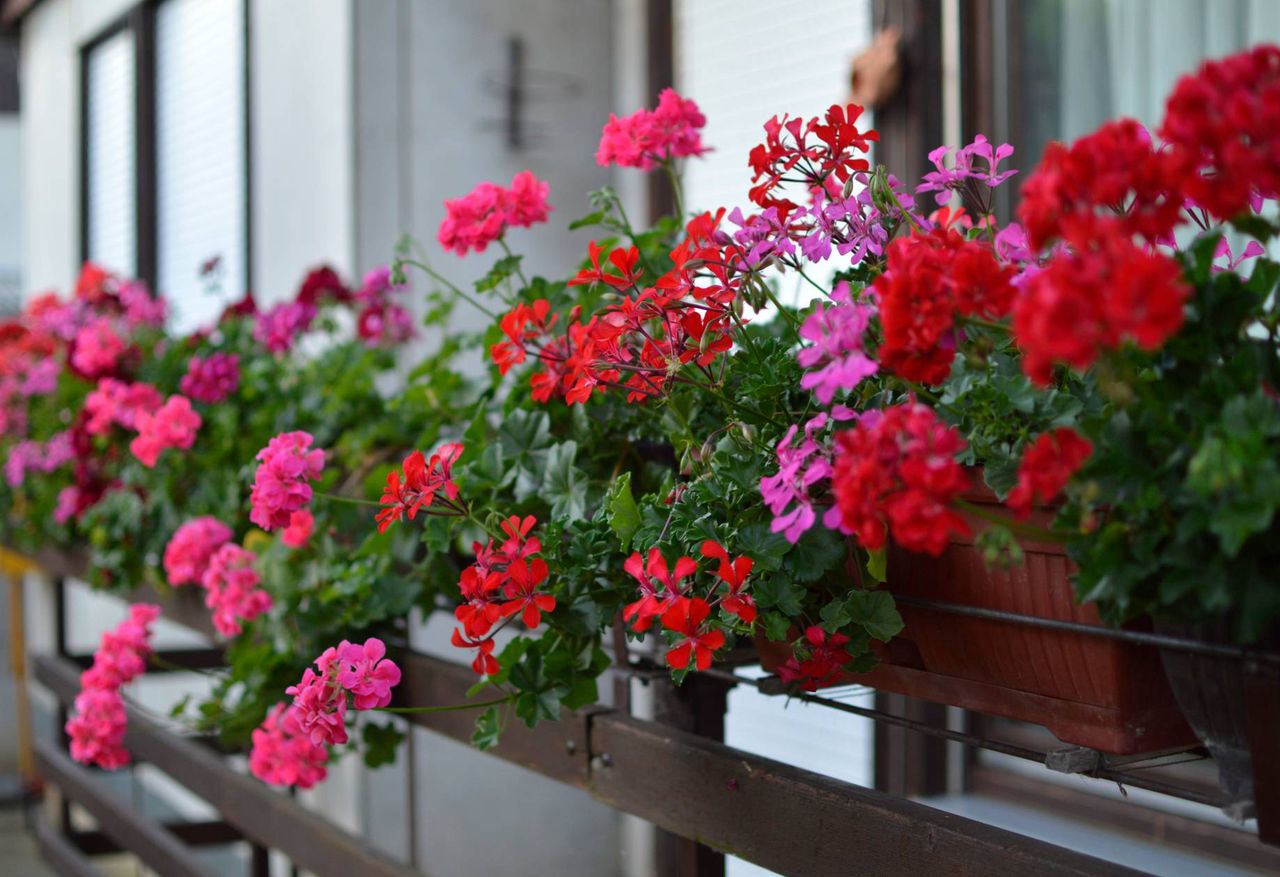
x,y
422,266
452,708
349,500
738,406
677,195
524,281
1031,531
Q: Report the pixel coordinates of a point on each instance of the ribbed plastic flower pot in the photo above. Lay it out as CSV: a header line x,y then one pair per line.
x,y
1089,691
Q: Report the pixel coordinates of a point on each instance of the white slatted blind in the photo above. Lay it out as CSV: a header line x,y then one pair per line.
x,y
110,191
743,67
200,153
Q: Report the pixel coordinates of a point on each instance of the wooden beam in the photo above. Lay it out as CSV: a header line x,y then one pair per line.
x,y
61,855
145,838
797,822
310,841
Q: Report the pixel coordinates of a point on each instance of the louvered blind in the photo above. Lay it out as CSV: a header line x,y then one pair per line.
x,y
200,154
110,193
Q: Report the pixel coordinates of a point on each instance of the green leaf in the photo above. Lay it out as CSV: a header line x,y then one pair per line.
x,y
621,509
590,219
876,613
488,729
380,743
877,561
563,484
501,270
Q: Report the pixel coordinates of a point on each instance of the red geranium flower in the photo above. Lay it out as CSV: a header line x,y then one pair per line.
x,y
1046,468
652,603
734,574
522,585
685,617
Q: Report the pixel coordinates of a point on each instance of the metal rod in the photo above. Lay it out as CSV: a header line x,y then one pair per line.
x,y
1159,640
1117,776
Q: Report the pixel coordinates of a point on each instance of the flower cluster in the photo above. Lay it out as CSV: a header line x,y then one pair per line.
x,y
898,474
192,546
504,582
97,728
929,280
290,747
817,659
278,328
1046,468
119,403
837,361
802,468
382,321
45,457
97,349
422,485
954,169
1224,120
281,485
232,589
211,379
483,216
173,425
647,138
668,594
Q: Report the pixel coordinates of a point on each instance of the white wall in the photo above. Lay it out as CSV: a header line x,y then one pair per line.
x,y
301,135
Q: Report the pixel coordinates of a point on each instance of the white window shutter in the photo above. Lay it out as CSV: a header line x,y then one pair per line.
x,y
200,154
110,184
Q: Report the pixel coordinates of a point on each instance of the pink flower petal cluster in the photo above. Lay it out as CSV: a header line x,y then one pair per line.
x,y
212,379
41,378
140,308
382,321
192,546
173,425
118,402
787,494
482,216
231,589
28,456
837,360
298,533
280,486
98,726
320,697
96,349
278,328
647,137
282,755
97,729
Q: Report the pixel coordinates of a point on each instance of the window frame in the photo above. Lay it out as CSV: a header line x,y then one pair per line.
x,y
140,20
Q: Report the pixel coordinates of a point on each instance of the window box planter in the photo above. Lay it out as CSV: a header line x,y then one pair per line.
x,y
1089,691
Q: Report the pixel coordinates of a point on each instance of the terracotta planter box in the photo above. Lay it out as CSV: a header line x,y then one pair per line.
x,y
1089,691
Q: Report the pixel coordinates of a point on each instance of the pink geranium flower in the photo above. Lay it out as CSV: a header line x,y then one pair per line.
x,y
231,589
367,673
193,545
174,425
281,484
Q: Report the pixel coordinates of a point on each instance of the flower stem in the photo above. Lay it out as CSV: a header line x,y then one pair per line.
x,y
1031,531
452,708
349,500
422,266
519,271
677,195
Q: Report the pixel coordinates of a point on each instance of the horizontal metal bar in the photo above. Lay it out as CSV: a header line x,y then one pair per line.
x,y
797,822
145,838
310,841
1121,776
556,749
174,660
195,834
1159,640
61,855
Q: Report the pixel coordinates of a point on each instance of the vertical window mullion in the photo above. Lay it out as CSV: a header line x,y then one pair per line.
x,y
143,24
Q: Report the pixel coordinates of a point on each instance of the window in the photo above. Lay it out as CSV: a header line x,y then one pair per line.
x,y
110,180
200,154
165,166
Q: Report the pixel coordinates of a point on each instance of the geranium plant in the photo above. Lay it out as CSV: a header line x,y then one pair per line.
x,y
660,446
